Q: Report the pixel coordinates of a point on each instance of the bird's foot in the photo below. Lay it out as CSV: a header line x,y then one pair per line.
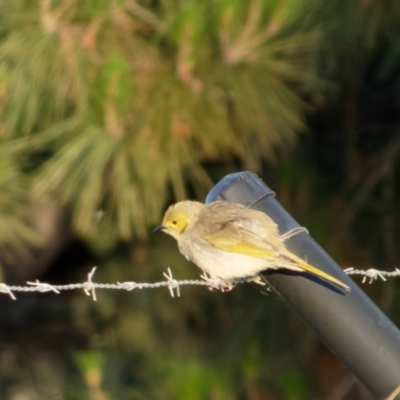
x,y
259,281
263,285
293,232
218,284
225,286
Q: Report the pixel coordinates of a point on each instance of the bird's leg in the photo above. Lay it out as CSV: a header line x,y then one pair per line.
x,y
293,232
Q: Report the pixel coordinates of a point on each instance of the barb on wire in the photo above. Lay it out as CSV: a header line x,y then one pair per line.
x,y
372,274
43,287
5,289
89,287
173,285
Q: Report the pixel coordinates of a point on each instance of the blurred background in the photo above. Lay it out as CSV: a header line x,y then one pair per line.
x,y
110,110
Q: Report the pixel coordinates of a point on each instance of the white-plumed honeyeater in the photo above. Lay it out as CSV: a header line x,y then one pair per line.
x,y
231,242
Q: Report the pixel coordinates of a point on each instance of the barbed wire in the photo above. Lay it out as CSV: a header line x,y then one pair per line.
x,y
89,287
372,274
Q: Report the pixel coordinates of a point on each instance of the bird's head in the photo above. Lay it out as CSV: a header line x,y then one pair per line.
x,y
178,217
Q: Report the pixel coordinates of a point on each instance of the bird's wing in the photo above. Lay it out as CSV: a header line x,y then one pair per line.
x,y
244,234
254,234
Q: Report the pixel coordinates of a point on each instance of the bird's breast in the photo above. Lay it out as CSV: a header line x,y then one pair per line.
x,y
220,264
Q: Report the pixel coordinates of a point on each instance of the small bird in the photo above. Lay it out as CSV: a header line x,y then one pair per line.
x,y
231,242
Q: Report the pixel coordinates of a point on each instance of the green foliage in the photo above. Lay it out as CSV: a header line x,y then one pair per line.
x,y
110,109
90,362
17,232
351,34
123,102
196,381
294,386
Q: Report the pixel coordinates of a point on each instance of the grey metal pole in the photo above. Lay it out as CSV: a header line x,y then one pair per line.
x,y
349,323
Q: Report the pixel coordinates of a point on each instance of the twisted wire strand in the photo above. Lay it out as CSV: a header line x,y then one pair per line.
x,y
89,287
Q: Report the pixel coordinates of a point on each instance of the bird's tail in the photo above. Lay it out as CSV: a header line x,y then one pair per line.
x,y
321,274
296,263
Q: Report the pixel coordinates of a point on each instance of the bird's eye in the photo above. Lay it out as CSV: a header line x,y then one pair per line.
x,y
174,222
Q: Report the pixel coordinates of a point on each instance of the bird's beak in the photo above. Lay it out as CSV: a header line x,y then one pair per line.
x,y
158,228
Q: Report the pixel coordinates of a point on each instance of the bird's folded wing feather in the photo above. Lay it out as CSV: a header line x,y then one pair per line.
x,y
234,236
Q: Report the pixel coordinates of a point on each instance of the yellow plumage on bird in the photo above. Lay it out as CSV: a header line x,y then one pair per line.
x,y
231,242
